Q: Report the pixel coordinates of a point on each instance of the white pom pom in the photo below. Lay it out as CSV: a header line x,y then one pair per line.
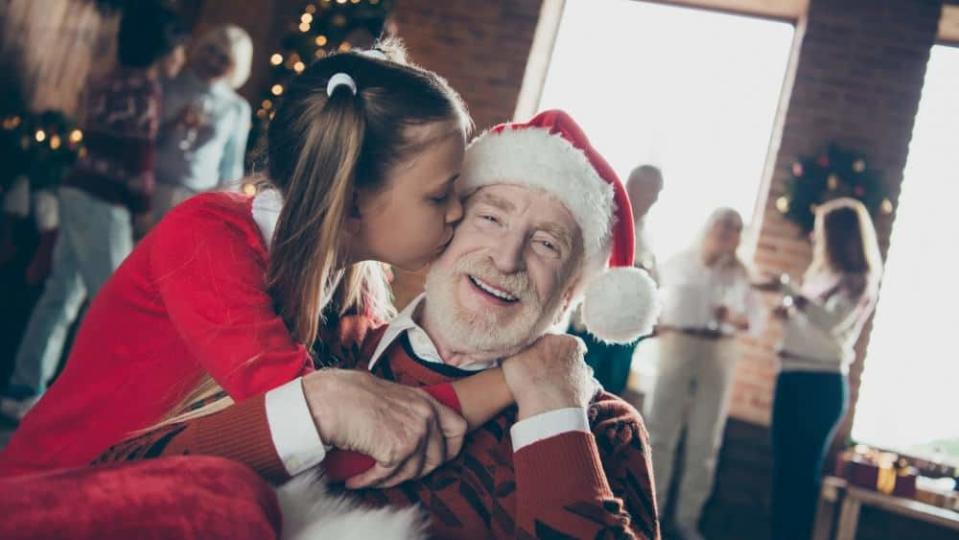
x,y
620,305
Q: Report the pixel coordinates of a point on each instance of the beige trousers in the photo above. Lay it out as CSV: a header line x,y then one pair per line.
x,y
692,390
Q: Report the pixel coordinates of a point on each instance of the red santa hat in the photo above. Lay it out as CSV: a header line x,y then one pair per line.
x,y
551,153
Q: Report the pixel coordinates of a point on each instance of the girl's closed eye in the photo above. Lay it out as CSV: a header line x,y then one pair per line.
x,y
441,198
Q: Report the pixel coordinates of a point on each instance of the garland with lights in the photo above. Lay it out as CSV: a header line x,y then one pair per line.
x,y
835,173
40,146
323,26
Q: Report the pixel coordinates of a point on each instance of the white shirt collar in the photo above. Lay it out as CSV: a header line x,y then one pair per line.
x,y
423,347
266,211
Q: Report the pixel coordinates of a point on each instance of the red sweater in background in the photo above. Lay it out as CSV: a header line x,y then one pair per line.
x,y
121,119
190,300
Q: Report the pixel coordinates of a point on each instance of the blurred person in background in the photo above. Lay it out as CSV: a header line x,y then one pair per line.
x,y
822,321
707,301
202,141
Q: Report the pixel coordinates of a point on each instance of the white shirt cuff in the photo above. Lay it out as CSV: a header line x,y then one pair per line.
x,y
294,434
548,424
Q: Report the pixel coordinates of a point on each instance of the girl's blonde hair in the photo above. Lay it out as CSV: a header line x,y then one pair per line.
x,y
844,241
323,150
235,43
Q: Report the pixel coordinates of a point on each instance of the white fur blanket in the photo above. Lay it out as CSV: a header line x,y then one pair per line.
x,y
310,512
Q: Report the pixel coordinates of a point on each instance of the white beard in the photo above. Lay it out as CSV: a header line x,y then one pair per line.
x,y
481,331
311,513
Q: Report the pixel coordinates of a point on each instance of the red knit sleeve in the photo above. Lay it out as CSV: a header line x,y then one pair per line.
x,y
210,275
581,485
240,433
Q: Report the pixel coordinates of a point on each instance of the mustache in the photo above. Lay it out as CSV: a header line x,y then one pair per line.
x,y
481,267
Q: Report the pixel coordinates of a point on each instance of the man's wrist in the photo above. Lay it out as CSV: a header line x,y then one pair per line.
x,y
317,391
539,404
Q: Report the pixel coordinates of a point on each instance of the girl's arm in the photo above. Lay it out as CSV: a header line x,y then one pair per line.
x,y
482,396
210,277
241,432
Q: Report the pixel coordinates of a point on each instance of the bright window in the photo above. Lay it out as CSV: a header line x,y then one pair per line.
x,y
694,92
908,398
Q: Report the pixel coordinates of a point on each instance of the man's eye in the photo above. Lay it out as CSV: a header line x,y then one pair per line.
x,y
489,218
440,199
549,245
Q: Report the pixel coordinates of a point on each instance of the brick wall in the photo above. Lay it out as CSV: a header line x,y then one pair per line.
x,y
480,47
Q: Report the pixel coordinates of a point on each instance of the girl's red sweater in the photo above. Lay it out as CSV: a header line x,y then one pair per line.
x,y
190,300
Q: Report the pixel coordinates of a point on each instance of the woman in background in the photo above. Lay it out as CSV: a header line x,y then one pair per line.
x,y
202,140
822,322
707,300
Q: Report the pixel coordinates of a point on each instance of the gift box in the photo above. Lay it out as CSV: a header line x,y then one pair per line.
x,y
884,472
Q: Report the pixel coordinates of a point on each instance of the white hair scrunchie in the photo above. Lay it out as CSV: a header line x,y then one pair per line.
x,y
375,53
340,79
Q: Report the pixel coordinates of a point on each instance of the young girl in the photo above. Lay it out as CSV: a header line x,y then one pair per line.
x,y
228,291
707,300
822,322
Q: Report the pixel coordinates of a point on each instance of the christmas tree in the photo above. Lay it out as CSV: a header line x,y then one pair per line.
x,y
322,27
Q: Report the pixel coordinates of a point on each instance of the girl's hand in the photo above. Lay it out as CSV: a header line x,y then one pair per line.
x,y
404,429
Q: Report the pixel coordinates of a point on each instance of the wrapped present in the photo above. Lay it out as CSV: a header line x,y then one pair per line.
x,y
884,472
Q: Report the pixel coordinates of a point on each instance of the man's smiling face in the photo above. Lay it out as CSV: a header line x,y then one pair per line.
x,y
508,272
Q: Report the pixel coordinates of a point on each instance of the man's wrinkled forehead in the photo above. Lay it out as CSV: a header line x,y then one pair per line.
x,y
549,212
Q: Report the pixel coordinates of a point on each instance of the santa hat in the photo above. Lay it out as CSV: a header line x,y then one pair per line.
x,y
551,153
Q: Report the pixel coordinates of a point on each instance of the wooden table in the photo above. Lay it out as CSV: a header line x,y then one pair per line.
x,y
836,491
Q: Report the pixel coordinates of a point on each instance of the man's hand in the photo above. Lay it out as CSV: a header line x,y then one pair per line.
x,y
404,429
551,374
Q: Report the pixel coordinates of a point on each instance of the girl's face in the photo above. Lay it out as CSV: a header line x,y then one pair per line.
x,y
410,221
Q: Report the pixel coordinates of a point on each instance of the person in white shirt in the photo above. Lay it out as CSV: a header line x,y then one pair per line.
x,y
707,299
644,185
822,321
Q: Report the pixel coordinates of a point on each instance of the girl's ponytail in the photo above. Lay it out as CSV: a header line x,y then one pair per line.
x,y
305,254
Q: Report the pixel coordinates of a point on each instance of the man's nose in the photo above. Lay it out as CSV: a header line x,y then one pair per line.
x,y
508,252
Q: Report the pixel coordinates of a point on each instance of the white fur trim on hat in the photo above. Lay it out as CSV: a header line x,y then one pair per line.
x,y
535,158
620,305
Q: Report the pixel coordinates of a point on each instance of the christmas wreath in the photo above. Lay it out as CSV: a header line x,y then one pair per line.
x,y
837,172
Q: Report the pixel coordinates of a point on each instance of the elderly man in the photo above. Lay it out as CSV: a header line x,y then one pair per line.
x,y
545,220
